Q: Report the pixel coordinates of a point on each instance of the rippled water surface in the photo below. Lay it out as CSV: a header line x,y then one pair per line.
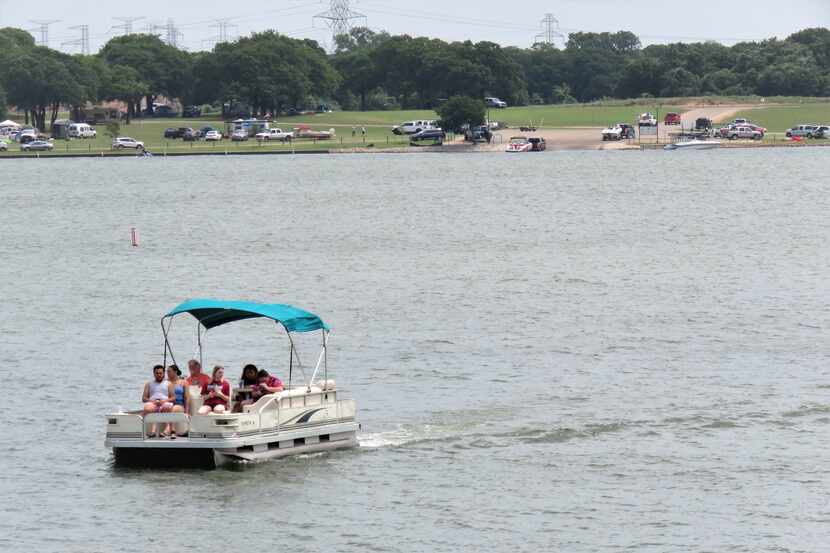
x,y
575,351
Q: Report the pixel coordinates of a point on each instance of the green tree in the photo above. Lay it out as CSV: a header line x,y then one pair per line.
x,y
680,82
113,130
163,68
3,107
269,71
124,83
461,110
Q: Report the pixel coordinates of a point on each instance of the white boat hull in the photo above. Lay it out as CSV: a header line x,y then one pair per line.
x,y
694,145
288,423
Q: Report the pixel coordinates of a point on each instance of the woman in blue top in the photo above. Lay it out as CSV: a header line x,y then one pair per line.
x,y
174,377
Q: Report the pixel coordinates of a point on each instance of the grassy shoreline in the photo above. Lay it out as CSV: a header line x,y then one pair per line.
x,y
350,127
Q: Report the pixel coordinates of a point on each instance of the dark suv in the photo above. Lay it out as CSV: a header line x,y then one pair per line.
x,y
192,111
703,124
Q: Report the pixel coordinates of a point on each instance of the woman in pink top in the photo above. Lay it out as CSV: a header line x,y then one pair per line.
x,y
217,394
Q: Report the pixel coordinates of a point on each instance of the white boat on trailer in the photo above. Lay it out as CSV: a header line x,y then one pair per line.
x,y
305,418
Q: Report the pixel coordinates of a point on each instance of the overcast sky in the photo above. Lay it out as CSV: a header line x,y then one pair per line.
x,y
502,21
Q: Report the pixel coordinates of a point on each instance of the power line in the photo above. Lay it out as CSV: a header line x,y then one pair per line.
x,y
126,24
550,30
43,29
339,17
82,42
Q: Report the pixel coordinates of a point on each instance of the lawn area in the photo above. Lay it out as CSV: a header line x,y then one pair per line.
x,y
378,125
781,118
151,132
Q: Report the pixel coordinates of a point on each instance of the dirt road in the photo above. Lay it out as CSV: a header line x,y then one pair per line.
x,y
590,138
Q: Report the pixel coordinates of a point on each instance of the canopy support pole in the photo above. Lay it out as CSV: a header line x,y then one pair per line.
x,y
293,353
320,359
167,347
199,341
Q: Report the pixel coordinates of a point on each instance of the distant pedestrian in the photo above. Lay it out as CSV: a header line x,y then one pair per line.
x,y
363,132
354,132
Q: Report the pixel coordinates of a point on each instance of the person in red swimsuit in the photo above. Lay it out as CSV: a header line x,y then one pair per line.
x,y
216,394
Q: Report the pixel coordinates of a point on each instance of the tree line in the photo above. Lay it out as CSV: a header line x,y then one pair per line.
x,y
270,73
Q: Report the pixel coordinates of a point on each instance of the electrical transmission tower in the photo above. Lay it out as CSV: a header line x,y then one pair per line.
x,y
550,30
169,33
43,29
126,24
82,42
339,17
224,26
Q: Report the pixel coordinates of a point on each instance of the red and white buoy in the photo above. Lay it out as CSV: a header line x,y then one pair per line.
x,y
134,237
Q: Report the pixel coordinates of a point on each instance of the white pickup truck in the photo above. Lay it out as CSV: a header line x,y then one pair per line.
x,y
274,134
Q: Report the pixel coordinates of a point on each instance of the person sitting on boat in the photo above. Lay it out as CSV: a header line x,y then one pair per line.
x,y
267,384
197,377
246,384
217,394
174,377
249,376
157,397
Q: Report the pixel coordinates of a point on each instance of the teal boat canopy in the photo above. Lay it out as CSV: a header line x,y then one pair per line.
x,y
213,313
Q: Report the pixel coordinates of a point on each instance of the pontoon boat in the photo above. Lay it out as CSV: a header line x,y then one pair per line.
x,y
304,418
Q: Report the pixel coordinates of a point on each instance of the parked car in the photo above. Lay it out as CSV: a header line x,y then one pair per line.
x,y
647,120
191,135
191,111
480,133
618,131
537,144
171,133
804,131
37,145
4,147
741,121
436,136
411,127
81,130
743,132
164,111
822,131
495,103
274,134
123,142
25,135
672,119
239,135
206,129
213,136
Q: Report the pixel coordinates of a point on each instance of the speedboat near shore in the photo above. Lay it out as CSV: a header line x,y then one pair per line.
x,y
519,144
303,418
694,144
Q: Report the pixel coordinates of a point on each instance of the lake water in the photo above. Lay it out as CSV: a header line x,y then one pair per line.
x,y
571,351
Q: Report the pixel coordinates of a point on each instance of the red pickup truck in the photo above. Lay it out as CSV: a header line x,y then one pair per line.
x,y
672,119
